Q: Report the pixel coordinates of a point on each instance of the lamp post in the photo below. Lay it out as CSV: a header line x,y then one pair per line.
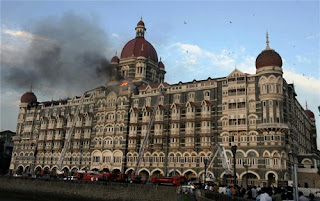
x,y
246,165
205,169
234,151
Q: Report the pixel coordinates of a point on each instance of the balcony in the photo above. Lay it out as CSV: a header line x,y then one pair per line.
x,y
159,118
57,137
30,118
79,124
86,135
59,125
133,120
88,123
69,124
49,137
190,115
43,126
274,126
174,132
174,145
205,130
175,117
77,136
51,126
236,127
27,128
132,146
205,115
145,119
205,144
41,137
16,138
189,144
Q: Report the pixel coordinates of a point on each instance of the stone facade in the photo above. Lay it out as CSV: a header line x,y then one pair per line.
x,y
259,113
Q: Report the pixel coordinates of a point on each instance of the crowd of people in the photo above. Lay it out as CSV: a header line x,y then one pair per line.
x,y
259,194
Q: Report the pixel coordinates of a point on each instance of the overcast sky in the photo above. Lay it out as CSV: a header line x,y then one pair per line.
x,y
195,40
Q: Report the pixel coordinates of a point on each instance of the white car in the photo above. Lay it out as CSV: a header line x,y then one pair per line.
x,y
72,178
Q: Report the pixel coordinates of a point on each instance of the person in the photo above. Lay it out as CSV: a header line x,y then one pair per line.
x,y
266,196
254,192
206,187
228,191
215,188
302,197
311,196
277,195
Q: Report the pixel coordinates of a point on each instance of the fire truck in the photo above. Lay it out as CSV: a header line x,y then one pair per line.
x,y
175,180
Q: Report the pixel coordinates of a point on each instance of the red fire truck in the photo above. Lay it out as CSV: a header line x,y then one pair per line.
x,y
175,180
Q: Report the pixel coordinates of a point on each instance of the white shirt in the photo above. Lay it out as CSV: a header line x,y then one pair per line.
x,y
303,198
265,197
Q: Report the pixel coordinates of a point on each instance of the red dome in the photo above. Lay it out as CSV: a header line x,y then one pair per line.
x,y
160,64
139,47
309,114
28,97
268,58
115,59
140,23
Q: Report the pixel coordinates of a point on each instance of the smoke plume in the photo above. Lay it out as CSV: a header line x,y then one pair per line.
x,y
65,53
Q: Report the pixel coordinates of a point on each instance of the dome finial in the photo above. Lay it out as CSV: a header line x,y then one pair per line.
x,y
160,59
306,105
141,18
267,41
116,53
31,87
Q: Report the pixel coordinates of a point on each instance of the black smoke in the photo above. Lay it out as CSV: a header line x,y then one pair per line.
x,y
67,54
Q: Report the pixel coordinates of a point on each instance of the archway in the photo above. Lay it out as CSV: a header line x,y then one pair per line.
x,y
65,171
37,171
106,170
74,171
27,169
19,170
249,180
46,170
271,179
116,171
174,173
156,173
54,171
228,179
144,175
191,176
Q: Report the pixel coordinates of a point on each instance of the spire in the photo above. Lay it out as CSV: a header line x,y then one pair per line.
x,y
267,41
306,105
160,59
31,87
141,18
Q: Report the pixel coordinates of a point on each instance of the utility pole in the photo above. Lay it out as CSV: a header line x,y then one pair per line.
x,y
234,151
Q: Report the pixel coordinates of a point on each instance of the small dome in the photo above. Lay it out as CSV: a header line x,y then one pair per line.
x,y
160,64
115,59
268,57
140,23
28,97
309,114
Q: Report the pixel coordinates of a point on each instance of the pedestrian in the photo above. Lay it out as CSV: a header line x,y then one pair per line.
x,y
277,195
302,197
254,192
266,196
228,191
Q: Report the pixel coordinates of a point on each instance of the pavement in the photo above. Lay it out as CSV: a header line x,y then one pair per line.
x,y
186,197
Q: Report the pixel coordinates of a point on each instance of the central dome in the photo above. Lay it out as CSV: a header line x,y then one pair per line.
x,y
139,46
